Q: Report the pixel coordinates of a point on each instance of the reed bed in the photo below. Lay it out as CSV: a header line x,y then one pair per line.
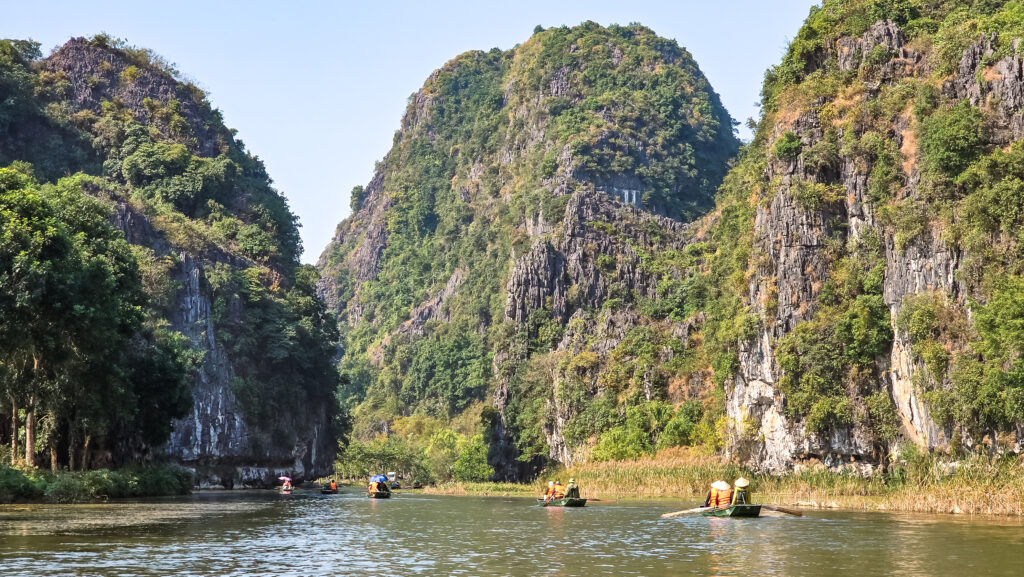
x,y
484,489
925,484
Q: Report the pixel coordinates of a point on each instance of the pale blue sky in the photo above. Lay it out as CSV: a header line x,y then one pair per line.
x,y
317,88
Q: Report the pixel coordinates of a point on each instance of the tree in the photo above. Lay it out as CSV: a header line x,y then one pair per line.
x,y
72,342
471,465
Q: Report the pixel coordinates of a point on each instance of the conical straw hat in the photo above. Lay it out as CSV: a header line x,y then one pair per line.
x,y
741,482
720,485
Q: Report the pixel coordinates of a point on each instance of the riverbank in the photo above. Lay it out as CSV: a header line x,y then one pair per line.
x,y
40,486
920,484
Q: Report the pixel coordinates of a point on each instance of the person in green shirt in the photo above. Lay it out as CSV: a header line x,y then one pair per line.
x,y
572,490
740,493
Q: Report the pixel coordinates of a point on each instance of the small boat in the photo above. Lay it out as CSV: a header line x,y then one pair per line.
x,y
328,491
286,491
567,502
417,485
735,511
379,494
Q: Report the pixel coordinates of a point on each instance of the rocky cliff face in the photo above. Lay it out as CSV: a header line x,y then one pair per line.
x,y
849,293
825,202
519,213
108,86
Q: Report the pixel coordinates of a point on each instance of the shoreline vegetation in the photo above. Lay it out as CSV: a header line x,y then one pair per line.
x,y
917,483
30,485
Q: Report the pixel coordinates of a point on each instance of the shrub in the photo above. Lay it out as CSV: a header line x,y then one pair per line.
x,y
812,196
829,413
788,146
952,139
15,486
67,489
130,74
156,480
621,443
471,464
884,420
679,430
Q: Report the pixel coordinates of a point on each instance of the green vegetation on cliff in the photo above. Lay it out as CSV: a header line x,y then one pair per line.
x,y
495,145
854,288
97,355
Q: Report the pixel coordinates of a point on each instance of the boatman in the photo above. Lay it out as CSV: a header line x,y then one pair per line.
x,y
740,493
334,486
572,491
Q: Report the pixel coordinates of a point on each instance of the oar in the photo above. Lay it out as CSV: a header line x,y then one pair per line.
x,y
785,510
693,511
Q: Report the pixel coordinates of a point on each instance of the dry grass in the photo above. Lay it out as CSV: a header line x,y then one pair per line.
x,y
483,489
976,486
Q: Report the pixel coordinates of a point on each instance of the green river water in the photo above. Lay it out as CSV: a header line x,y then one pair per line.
x,y
263,533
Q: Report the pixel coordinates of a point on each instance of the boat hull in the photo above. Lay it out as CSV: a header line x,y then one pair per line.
x,y
735,511
567,502
328,491
378,495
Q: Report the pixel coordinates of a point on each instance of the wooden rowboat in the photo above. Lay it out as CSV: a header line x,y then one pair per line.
x,y
735,511
567,502
328,491
379,494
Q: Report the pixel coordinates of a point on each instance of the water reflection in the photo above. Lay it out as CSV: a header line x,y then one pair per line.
x,y
412,534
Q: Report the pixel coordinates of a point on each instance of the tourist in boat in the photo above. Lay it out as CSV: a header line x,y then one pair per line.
x,y
719,496
550,493
559,490
572,490
740,492
287,486
333,486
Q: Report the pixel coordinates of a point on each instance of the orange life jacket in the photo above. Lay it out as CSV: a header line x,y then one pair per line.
x,y
720,497
558,492
334,486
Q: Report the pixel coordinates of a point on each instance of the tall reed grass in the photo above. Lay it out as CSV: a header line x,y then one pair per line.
x,y
918,483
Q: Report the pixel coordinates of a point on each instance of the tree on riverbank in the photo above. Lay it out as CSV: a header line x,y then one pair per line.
x,y
79,358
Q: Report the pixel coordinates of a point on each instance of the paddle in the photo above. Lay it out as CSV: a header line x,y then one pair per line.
x,y
785,510
693,511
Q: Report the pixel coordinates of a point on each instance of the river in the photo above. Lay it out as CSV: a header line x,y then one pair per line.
x,y
263,533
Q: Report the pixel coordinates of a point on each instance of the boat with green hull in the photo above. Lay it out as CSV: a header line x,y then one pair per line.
x,y
735,511
566,502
